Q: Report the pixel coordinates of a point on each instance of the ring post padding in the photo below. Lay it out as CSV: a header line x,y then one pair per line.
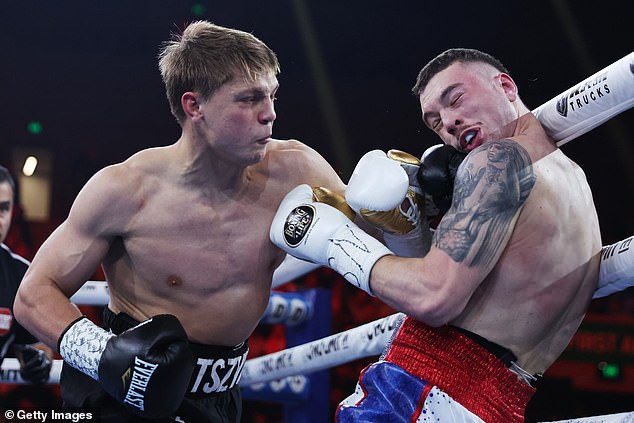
x,y
288,308
316,410
288,390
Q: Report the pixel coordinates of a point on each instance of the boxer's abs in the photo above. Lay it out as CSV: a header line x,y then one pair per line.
x,y
218,292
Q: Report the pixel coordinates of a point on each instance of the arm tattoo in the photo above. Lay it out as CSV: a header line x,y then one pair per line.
x,y
491,187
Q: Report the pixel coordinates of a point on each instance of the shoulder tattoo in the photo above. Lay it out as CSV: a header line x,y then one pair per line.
x,y
490,189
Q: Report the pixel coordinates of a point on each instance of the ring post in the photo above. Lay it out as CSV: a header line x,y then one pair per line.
x,y
316,409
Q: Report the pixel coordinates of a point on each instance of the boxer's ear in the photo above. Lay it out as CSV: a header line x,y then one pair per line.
x,y
508,85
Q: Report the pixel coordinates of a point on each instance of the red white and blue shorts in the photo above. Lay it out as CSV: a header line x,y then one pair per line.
x,y
436,375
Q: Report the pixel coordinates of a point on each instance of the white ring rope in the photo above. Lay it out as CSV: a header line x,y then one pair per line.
x,y
363,341
10,372
590,103
94,293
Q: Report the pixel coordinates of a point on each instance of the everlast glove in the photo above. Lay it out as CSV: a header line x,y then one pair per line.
x,y
146,368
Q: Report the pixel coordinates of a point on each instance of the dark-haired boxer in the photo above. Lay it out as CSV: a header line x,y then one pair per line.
x,y
181,232
510,271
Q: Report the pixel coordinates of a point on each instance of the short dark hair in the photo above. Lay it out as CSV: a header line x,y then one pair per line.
x,y
447,58
5,176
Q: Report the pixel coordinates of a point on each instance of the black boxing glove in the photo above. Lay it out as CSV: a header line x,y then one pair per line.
x,y
35,366
438,168
146,368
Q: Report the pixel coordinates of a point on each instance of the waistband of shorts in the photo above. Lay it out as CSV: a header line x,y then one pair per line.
x,y
505,355
217,368
462,368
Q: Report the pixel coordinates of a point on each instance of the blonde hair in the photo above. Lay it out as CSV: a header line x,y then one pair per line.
x,y
206,56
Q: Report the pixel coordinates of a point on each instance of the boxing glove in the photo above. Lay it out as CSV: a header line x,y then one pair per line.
x,y
146,368
436,175
35,366
322,234
336,200
385,192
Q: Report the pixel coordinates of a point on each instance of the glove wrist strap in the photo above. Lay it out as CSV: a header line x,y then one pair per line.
x,y
415,243
82,345
352,253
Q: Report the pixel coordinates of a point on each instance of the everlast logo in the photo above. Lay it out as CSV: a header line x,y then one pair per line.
x,y
140,378
219,374
297,223
589,91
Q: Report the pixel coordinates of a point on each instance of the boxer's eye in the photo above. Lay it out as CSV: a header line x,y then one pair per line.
x,y
455,99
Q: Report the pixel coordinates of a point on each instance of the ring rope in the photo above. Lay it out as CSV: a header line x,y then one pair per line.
x,y
590,103
283,308
363,341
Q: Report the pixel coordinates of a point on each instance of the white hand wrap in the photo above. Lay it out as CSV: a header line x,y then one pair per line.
x,y
82,345
616,271
322,234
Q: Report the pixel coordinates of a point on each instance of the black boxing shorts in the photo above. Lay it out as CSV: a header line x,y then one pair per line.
x,y
213,395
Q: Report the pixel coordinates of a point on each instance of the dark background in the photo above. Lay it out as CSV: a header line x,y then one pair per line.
x,y
87,71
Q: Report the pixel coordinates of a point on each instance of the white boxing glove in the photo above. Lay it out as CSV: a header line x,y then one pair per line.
x,y
377,183
616,271
384,191
322,234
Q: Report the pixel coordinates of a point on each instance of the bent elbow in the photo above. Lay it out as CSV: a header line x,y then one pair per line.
x,y
431,316
26,301
436,311
21,306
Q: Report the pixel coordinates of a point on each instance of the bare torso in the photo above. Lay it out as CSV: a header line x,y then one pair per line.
x,y
534,299
206,260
